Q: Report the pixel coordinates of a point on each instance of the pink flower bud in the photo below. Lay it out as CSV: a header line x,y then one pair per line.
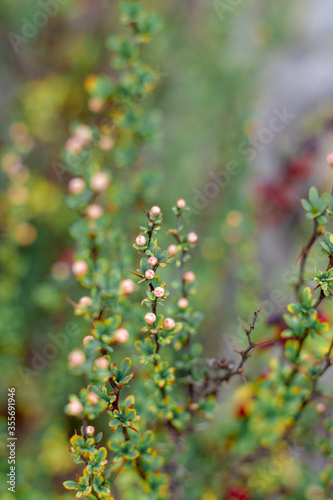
x,y
122,335
320,408
172,249
84,133
149,274
152,261
330,159
85,300
99,182
102,363
92,398
94,211
182,303
181,203
86,339
169,323
79,268
75,407
155,210
192,237
76,185
127,286
74,144
159,291
76,358
189,277
95,104
150,318
90,430
140,240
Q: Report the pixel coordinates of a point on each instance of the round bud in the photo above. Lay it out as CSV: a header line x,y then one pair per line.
x,y
94,211
99,182
159,291
95,104
150,318
122,335
85,300
320,408
75,407
102,363
155,210
90,430
79,268
182,303
181,203
192,237
127,287
76,358
172,249
152,261
74,144
330,159
169,323
92,398
189,277
86,339
140,240
84,133
76,185
149,274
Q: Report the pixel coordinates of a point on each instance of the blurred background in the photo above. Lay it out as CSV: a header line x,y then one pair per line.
x,y
245,110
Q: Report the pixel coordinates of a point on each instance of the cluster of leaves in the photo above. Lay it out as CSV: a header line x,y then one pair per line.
x,y
106,309
289,398
175,387
178,386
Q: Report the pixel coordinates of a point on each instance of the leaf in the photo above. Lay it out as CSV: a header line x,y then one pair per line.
x,y
125,365
70,485
313,196
306,205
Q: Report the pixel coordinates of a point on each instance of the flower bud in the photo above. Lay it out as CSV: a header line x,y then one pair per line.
x,y
92,398
102,363
86,339
320,408
76,358
121,335
99,182
95,104
85,300
79,268
152,261
127,287
172,249
192,237
159,291
74,144
169,323
75,407
330,159
84,133
149,274
182,303
94,211
155,210
150,318
76,185
181,203
140,240
189,277
90,430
